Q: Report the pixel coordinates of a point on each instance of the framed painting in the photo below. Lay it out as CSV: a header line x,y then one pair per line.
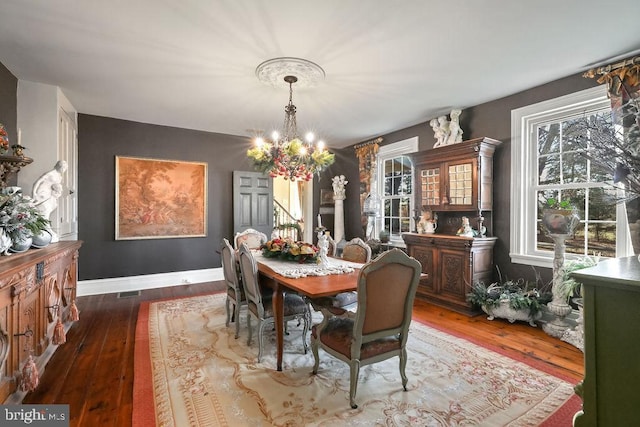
x,y
160,199
326,197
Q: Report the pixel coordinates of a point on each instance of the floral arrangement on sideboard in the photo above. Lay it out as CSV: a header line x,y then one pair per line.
x,y
20,221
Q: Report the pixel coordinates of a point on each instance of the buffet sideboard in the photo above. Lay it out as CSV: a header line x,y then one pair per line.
x,y
36,288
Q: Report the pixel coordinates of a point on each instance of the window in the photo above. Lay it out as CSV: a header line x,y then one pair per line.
x,y
395,181
545,163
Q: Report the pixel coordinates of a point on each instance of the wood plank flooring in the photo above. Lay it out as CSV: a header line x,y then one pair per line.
x,y
93,372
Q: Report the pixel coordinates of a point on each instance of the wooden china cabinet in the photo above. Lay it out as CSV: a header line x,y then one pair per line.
x,y
453,182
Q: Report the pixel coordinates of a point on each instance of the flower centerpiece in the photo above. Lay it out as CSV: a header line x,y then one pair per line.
x,y
290,250
19,219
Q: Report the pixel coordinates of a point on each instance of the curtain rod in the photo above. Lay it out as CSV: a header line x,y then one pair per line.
x,y
364,144
608,68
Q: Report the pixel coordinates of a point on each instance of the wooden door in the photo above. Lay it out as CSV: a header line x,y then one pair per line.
x,y
252,202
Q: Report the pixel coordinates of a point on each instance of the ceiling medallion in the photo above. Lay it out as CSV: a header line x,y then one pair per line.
x,y
274,71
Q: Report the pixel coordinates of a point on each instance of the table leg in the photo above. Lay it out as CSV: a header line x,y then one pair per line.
x,y
278,311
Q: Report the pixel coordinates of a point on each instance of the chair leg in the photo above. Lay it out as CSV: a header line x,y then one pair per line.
x,y
316,356
249,327
403,364
236,318
261,326
227,305
353,382
305,329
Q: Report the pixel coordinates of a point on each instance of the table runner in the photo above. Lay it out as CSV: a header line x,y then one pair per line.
x,y
294,270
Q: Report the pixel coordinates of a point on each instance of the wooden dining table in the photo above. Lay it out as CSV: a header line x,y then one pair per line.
x,y
310,286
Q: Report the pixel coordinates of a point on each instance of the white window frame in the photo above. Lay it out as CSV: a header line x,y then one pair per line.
x,y
388,152
524,169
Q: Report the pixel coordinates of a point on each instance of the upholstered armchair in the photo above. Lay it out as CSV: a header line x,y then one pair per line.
x,y
379,330
235,293
253,238
262,309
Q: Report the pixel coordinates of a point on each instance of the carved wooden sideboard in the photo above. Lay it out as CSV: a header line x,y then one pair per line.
x,y
450,264
36,287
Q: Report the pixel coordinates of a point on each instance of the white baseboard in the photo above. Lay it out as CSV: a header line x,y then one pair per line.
x,y
148,281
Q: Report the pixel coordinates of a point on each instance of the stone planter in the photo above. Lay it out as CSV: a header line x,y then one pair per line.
x,y
504,311
560,221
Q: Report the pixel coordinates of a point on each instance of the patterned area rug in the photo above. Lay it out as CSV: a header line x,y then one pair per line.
x,y
191,371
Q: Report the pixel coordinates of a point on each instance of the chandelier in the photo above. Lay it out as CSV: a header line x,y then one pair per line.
x,y
287,155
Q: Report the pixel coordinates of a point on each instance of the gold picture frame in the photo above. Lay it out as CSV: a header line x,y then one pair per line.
x,y
160,199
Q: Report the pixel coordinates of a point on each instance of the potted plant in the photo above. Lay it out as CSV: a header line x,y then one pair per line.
x,y
559,216
509,299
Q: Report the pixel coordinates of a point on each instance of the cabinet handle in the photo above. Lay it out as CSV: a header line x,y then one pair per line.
x,y
71,192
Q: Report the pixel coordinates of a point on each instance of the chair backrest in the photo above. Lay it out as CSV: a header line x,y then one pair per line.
x,y
229,267
356,250
333,246
253,238
386,291
249,271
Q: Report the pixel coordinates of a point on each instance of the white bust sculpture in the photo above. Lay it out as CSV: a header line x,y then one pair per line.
x,y
339,183
46,191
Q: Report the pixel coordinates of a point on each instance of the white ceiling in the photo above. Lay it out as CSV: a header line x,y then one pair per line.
x,y
389,64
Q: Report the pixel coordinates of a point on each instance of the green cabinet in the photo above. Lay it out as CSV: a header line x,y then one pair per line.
x,y
611,343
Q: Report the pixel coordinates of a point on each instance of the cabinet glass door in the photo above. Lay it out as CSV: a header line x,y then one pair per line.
x,y
461,184
430,187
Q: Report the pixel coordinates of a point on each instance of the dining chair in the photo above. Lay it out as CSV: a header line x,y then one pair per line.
x,y
295,307
356,250
253,238
235,293
386,290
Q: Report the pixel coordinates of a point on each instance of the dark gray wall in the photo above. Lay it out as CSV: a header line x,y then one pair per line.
x,y
493,120
100,139
8,107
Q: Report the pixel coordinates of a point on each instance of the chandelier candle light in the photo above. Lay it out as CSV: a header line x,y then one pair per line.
x,y
286,155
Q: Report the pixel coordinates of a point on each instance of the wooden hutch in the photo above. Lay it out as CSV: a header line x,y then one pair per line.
x,y
454,181
36,287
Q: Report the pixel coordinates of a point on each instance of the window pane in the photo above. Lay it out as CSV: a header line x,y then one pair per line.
x,y
549,169
388,168
387,207
388,186
396,185
574,168
549,139
395,226
406,165
395,207
602,239
602,204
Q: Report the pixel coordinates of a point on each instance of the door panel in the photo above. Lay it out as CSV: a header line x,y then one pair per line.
x,y
252,202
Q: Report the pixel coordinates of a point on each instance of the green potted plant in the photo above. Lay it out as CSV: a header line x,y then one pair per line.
x,y
511,300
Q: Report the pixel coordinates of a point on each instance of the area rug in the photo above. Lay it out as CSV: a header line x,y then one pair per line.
x,y
191,371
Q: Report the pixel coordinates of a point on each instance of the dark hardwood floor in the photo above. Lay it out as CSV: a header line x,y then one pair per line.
x,y
93,372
